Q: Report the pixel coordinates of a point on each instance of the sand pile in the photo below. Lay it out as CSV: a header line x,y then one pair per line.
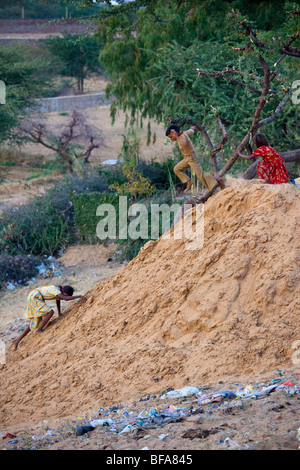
x,y
172,316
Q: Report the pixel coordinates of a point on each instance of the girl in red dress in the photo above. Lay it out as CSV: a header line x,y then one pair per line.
x,y
272,168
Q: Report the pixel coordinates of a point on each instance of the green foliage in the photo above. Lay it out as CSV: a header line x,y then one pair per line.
x,y
35,228
136,184
85,208
153,72
161,175
40,9
26,76
130,150
78,53
128,248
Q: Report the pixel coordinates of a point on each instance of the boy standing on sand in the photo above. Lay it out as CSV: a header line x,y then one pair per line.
x,y
190,160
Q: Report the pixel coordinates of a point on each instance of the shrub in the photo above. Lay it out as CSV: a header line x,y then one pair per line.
x,y
35,228
158,173
85,207
136,184
18,268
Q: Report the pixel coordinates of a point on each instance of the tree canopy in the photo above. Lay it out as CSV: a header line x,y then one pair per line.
x,y
153,48
22,84
78,53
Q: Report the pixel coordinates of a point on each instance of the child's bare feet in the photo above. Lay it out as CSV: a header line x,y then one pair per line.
x,y
221,182
188,185
15,344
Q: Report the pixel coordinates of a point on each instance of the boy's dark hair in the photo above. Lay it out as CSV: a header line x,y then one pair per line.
x,y
261,139
68,290
173,126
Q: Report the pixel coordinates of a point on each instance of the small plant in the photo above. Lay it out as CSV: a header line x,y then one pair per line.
x,y
136,185
35,228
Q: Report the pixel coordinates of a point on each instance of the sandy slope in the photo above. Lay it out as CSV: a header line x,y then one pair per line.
x,y
172,315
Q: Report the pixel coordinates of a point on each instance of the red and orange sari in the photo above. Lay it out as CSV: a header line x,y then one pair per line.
x,y
272,169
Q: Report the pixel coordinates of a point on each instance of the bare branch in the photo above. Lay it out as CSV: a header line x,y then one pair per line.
x,y
224,73
64,140
248,31
277,110
290,51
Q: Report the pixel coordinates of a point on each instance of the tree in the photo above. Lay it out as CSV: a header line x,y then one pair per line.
x,y
266,94
42,9
78,53
153,73
25,77
74,141
153,48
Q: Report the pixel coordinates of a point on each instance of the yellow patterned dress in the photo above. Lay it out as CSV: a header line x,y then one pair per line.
x,y
36,305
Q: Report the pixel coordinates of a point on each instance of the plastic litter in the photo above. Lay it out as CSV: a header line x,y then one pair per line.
x,y
8,435
182,392
10,286
80,430
101,422
162,436
232,444
127,428
217,397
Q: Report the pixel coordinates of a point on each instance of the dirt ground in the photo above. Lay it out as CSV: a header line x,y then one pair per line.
x,y
268,422
23,180
82,266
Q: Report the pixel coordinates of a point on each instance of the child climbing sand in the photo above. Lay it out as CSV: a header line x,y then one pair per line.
x,y
39,313
190,160
272,169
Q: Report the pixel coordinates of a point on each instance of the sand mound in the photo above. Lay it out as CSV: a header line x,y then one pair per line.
x,y
172,316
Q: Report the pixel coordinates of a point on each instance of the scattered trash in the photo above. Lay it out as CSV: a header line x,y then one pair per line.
x,y
229,443
182,392
80,430
216,397
11,436
127,428
195,434
10,286
267,390
136,424
111,161
101,422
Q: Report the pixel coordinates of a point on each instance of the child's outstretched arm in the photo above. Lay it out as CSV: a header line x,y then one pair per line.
x,y
247,157
58,307
70,297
